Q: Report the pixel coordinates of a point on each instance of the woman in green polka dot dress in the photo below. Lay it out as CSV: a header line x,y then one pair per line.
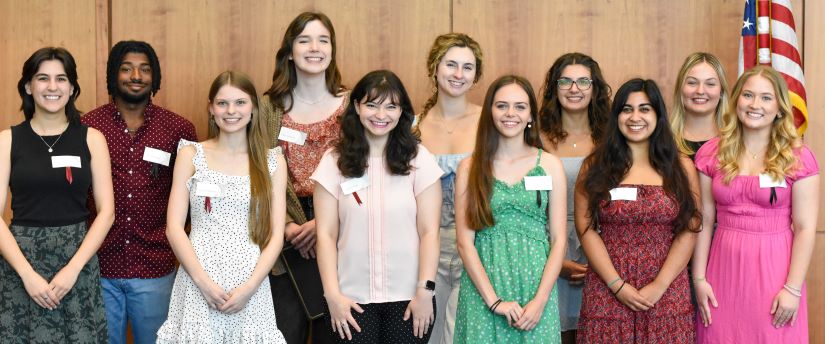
x,y
504,194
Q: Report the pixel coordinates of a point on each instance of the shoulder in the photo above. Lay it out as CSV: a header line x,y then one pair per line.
x,y
5,137
550,160
94,136
98,114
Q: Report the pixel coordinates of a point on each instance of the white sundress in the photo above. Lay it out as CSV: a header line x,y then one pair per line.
x,y
221,241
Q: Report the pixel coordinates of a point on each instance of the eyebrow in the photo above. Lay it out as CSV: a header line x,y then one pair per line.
x,y
44,74
309,36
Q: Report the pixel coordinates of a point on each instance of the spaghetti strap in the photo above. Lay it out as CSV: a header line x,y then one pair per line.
x,y
538,157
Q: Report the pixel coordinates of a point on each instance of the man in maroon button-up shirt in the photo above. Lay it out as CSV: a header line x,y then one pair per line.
x,y
136,262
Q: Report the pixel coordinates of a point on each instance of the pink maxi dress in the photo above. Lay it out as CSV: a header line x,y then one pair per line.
x,y
750,254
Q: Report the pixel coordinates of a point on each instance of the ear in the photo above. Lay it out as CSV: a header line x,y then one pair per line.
x,y
28,88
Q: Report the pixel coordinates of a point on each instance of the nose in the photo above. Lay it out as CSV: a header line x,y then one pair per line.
x,y
313,45
231,108
135,75
700,89
459,73
52,84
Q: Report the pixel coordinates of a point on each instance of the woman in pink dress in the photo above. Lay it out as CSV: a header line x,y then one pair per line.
x,y
761,184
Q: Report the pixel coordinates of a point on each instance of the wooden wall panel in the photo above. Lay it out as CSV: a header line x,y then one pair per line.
x,y
628,38
816,294
196,40
814,58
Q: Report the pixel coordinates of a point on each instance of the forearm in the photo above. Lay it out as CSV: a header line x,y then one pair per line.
x,y
94,238
327,256
12,254
701,251
428,252
552,269
185,253
597,256
475,270
267,259
803,248
677,258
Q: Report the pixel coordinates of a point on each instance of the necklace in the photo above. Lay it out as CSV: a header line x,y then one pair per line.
x,y
308,102
457,120
752,155
55,141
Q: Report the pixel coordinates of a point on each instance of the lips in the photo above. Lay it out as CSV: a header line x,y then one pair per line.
x,y
232,120
314,59
636,127
456,84
699,100
510,124
380,124
51,97
755,115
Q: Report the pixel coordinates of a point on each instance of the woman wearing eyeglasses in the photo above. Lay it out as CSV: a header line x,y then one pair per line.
x,y
574,110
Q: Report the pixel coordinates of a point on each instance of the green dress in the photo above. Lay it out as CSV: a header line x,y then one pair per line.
x,y
513,252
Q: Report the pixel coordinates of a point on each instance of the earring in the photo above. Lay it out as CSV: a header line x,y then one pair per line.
x,y
529,124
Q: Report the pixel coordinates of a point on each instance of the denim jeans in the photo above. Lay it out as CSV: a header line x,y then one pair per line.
x,y
144,303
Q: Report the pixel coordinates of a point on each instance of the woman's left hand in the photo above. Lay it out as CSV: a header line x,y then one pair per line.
x,y
421,310
530,315
63,282
653,292
784,308
238,298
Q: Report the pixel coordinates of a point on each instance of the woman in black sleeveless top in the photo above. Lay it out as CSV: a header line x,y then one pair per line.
x,y
49,290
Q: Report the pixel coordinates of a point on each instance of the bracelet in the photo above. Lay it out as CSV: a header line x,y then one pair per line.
x,y
620,289
610,285
698,279
494,305
798,290
792,291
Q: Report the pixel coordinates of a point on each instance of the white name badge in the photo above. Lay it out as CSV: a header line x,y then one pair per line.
x,y
156,156
292,136
353,185
65,161
538,183
623,194
765,181
205,189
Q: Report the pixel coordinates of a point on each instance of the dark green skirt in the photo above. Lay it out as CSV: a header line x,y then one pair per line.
x,y
80,316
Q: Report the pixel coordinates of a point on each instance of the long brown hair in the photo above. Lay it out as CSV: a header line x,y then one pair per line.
x,y
260,230
285,78
597,111
480,189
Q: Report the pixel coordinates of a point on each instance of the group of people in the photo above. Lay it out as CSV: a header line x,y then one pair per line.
x,y
346,216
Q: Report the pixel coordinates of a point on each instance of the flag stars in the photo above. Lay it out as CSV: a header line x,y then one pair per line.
x,y
747,24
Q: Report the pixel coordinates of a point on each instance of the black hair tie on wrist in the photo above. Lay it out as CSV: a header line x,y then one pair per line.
x,y
620,289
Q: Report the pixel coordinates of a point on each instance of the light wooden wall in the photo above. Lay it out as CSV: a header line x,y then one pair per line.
x,y
197,39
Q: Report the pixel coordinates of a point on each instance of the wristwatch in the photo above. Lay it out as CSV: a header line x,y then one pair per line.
x,y
427,284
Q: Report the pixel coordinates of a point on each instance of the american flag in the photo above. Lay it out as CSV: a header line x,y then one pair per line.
x,y
769,38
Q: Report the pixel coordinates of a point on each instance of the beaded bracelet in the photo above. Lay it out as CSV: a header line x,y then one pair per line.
x,y
620,288
494,305
610,285
793,291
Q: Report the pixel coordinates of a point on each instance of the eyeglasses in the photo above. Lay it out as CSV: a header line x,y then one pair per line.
x,y
581,83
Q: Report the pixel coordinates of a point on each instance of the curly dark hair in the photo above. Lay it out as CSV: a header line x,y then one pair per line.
x,y
597,111
116,56
402,146
611,160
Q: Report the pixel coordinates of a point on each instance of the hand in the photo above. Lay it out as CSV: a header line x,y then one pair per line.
x,y
421,310
63,282
653,291
215,295
238,298
531,315
304,240
40,291
704,294
510,310
573,271
340,313
784,308
631,298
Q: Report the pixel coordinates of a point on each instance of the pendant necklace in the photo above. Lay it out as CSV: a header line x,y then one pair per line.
x,y
308,102
55,141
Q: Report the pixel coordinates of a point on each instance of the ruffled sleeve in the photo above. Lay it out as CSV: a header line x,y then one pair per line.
x,y
327,174
807,164
425,170
705,159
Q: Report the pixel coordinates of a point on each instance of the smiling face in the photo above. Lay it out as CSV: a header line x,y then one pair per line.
x,y
757,106
50,87
378,116
312,49
231,109
575,99
456,72
134,78
637,121
511,110
701,90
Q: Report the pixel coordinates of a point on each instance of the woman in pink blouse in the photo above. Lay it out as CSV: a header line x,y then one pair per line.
x,y
377,201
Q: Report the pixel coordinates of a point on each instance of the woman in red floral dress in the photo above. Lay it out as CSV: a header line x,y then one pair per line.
x,y
637,217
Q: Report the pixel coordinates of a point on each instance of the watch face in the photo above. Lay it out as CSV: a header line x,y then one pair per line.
x,y
430,285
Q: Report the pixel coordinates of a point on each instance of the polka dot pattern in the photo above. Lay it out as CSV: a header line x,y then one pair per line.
x,y
136,246
221,242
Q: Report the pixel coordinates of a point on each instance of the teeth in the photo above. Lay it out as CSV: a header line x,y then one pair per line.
x,y
575,99
755,115
232,120
52,97
379,124
636,127
509,124
314,59
700,100
456,83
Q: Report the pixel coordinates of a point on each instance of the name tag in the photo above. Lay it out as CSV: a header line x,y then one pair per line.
x,y
353,185
65,161
292,136
538,183
205,189
765,181
156,156
623,194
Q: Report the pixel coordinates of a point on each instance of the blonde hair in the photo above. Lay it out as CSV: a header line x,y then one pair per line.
x,y
440,47
260,183
779,157
678,113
